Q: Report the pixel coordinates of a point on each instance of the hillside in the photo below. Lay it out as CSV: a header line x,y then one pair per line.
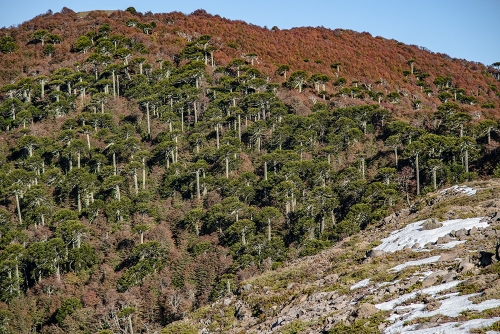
x,y
376,282
163,170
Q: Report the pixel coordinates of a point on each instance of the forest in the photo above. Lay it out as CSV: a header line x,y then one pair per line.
x,y
151,162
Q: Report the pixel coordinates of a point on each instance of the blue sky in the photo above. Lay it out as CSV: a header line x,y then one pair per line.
x,y
460,28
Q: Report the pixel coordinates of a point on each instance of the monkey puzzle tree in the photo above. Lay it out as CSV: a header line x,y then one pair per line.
x,y
298,79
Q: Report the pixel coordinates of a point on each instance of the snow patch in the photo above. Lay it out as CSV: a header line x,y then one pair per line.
x,y
433,290
460,189
451,305
413,234
449,327
416,263
361,284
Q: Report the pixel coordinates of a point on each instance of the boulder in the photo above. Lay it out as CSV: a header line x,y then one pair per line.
x,y
431,224
429,281
467,266
375,253
365,311
450,276
473,231
460,233
446,257
495,216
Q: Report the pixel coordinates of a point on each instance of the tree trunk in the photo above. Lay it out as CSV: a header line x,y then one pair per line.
x,y
114,83
114,163
143,173
466,161
417,171
198,195
363,168
269,229
239,127
217,134
79,201
311,233
88,140
195,113
265,170
136,186
18,209
227,168
130,328
396,155
148,121
243,237
434,177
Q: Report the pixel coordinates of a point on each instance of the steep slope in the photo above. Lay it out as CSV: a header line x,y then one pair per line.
x,y
154,164
449,284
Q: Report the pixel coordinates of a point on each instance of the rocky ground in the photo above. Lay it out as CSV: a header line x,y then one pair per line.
x,y
431,271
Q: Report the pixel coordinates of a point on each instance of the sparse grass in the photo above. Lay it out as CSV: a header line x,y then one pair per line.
x,y
361,326
221,317
295,327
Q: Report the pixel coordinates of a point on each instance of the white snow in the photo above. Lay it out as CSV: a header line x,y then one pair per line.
x,y
449,327
413,234
416,263
451,305
460,189
450,244
361,284
433,290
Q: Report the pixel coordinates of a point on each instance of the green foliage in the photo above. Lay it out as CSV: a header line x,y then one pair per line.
x,y
68,307
312,247
184,178
8,44
296,327
179,328
362,326
131,10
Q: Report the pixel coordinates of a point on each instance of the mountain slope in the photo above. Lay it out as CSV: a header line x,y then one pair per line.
x,y
154,164
349,288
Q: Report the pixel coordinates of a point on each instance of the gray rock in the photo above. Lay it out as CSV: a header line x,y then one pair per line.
x,y
450,276
431,224
247,287
446,257
366,310
429,281
465,267
495,216
490,233
443,240
332,278
391,289
473,231
375,253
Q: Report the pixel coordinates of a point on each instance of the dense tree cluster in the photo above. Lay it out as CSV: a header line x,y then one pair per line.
x,y
148,178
